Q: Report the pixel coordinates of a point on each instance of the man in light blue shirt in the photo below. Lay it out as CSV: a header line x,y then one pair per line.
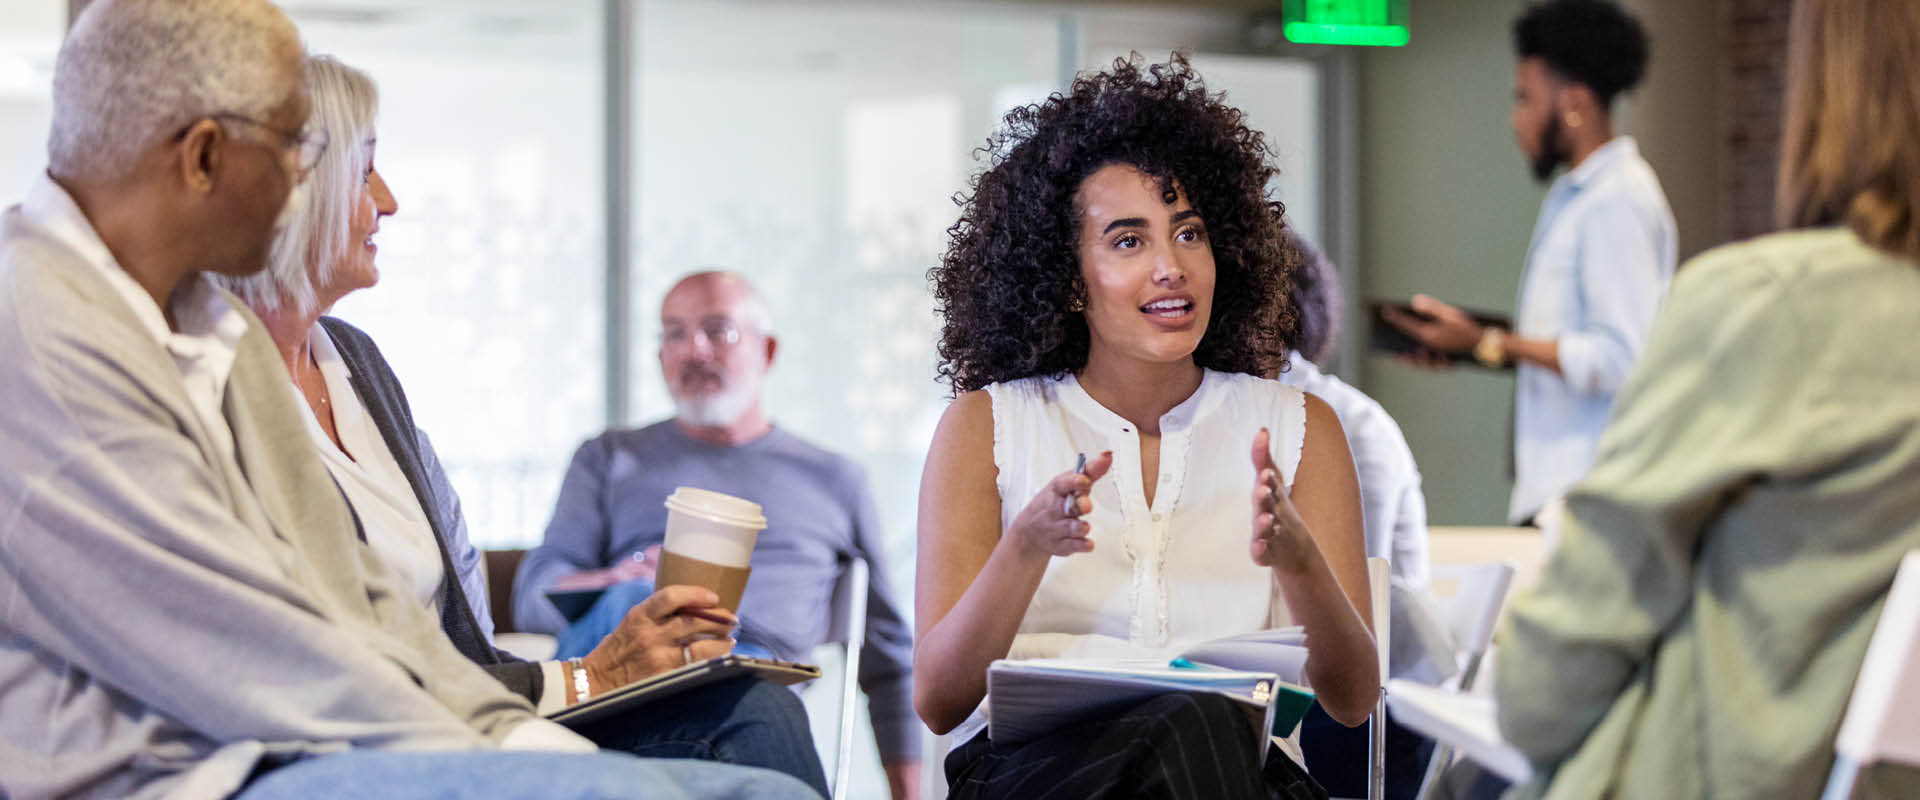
x,y
1602,253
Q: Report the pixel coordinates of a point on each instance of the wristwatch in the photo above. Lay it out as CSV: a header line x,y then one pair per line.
x,y
1491,350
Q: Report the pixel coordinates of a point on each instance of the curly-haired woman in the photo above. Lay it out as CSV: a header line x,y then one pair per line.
x,y
1116,283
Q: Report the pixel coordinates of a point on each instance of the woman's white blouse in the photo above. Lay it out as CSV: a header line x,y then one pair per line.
x,y
1161,576
389,512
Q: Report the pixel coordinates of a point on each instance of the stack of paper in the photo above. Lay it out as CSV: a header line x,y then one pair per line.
x,y
1282,651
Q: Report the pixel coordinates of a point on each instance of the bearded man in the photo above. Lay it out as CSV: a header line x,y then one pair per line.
x,y
716,347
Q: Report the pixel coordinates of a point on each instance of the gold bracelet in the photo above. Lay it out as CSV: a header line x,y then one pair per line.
x,y
1491,350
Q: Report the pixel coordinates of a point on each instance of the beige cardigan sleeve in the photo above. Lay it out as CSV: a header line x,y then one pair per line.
x,y
128,553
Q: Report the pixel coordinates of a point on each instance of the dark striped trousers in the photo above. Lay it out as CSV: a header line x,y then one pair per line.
x,y
1175,746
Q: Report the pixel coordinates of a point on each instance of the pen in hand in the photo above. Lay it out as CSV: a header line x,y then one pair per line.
x,y
1079,468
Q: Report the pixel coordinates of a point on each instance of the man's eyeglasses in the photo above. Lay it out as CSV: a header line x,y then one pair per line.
x,y
719,333
303,148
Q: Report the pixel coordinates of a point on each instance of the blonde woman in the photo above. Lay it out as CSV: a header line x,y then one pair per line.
x,y
359,419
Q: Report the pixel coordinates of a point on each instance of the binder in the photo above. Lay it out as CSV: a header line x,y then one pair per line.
x,y
1030,698
1383,337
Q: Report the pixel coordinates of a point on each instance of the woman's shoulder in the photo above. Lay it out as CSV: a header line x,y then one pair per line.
x,y
1034,388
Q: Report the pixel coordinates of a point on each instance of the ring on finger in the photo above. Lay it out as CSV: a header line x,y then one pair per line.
x,y
686,654
1068,505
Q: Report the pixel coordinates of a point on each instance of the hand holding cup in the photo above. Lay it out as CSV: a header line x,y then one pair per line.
x,y
676,626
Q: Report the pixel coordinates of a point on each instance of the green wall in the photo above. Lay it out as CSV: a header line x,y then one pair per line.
x,y
1447,207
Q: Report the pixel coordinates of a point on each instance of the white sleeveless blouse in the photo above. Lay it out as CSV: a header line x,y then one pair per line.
x,y
1161,577
1172,574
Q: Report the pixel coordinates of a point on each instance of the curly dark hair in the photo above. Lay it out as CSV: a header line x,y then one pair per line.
x,y
1594,43
1011,270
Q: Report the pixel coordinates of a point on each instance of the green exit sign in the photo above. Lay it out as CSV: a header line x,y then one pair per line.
x,y
1377,23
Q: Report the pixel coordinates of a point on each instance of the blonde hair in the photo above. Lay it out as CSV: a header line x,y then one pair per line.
x,y
131,72
315,237
1850,140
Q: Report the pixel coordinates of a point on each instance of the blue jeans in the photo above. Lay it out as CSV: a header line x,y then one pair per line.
x,y
586,632
743,721
515,774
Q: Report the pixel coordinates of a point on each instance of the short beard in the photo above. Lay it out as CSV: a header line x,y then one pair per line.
x,y
716,410
1551,156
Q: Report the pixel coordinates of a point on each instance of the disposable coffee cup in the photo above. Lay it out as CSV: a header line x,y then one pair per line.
x,y
709,543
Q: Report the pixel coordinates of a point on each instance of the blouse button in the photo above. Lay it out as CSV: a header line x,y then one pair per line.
x,y
1156,516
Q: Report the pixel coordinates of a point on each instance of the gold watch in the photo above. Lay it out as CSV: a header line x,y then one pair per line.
x,y
1491,350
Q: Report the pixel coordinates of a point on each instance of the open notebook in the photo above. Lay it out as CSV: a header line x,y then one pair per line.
x,y
1260,671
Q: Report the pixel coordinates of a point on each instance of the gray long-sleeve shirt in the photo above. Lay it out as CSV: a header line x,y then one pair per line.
x,y
817,508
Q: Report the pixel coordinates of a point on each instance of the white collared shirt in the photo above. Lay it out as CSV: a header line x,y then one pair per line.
x,y
1393,510
1603,251
390,515
208,338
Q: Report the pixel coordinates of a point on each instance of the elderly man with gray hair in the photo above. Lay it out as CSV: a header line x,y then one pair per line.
x,y
185,609
716,348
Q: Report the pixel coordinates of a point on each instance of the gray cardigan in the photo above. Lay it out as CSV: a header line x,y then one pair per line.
x,y
170,617
463,613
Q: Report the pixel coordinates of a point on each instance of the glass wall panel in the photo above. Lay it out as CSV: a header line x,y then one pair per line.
x,y
490,303
30,32
1281,98
817,149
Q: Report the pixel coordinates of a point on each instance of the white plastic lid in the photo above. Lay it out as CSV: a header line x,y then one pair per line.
x,y
724,508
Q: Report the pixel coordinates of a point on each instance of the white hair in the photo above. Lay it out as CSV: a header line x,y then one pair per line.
x,y
132,71
306,250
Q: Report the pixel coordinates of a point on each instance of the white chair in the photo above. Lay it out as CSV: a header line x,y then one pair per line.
x,y
1525,548
848,626
1471,596
1883,716
1378,592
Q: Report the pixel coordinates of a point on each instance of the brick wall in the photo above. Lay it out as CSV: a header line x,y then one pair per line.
x,y
1753,75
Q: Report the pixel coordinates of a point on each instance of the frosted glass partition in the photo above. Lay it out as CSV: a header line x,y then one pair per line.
x,y
30,33
817,148
1281,97
490,301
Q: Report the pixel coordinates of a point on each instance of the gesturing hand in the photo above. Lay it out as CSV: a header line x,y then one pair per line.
x,y
1051,524
674,627
1280,536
